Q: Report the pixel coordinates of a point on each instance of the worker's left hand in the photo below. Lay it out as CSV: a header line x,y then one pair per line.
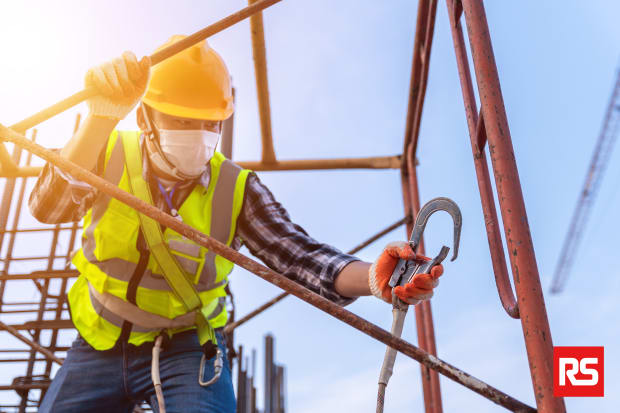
x,y
418,289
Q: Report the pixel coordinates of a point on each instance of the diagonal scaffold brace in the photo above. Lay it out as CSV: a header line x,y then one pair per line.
x,y
258,310
271,276
156,58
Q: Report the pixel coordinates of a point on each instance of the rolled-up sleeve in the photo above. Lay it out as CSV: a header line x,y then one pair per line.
x,y
265,227
57,197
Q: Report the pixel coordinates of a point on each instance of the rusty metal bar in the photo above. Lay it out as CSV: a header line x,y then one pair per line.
x,y
230,327
28,310
7,164
38,275
44,325
425,25
29,342
20,303
156,58
406,220
22,360
10,231
7,198
478,136
269,275
268,398
18,208
262,85
31,386
534,322
228,127
22,172
42,257
420,64
423,312
25,350
373,162
5,209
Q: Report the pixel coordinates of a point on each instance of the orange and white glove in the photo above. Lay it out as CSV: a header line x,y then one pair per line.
x,y
121,82
421,286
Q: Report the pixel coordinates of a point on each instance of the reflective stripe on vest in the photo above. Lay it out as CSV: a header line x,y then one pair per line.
x,y
109,255
115,310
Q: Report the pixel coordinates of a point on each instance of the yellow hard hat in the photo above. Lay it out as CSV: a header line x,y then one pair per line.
x,y
193,83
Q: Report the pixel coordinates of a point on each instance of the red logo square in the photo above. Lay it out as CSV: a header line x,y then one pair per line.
x,y
578,372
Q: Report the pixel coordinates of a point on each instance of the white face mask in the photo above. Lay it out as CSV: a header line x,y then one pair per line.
x,y
188,150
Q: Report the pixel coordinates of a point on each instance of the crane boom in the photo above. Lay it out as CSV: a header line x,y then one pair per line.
x,y
598,165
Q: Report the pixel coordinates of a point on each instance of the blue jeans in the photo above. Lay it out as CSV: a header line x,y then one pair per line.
x,y
117,379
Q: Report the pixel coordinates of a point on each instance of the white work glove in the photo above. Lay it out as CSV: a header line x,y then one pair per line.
x,y
121,82
418,289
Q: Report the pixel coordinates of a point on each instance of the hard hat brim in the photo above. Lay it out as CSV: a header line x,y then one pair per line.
x,y
192,113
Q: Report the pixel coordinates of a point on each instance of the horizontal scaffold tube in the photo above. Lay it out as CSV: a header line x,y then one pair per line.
x,y
267,274
373,162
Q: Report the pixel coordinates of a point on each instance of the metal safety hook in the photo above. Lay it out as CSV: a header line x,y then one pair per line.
x,y
432,206
405,269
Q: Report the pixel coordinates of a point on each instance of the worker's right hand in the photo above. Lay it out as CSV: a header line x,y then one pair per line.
x,y
121,82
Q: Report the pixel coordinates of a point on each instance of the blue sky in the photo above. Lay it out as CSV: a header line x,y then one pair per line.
x,y
339,77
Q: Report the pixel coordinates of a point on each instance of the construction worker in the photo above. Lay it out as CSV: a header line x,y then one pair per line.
x,y
129,293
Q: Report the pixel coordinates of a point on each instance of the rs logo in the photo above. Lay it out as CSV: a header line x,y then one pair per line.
x,y
578,371
577,366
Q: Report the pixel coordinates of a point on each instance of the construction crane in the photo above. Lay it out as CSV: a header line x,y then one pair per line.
x,y
594,176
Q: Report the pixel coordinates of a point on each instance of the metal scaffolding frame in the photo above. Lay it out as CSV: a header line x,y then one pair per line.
x,y
487,123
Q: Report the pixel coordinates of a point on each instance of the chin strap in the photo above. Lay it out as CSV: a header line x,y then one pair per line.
x,y
154,151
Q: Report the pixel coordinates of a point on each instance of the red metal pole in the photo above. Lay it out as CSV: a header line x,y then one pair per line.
x,y
425,25
477,134
522,258
423,311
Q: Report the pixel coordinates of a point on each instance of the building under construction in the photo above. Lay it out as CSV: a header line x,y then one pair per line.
x,y
31,327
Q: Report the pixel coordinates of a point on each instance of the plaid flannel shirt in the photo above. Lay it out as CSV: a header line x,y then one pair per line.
x,y
263,226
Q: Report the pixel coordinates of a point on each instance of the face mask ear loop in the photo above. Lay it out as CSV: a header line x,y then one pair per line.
x,y
147,120
151,133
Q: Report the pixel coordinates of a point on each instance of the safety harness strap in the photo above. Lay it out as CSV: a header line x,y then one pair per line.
x,y
171,269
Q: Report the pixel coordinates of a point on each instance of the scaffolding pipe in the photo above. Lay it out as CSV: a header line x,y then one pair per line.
x,y
534,321
5,209
44,325
372,162
262,85
21,172
478,137
269,275
425,25
156,58
231,327
7,164
40,275
31,343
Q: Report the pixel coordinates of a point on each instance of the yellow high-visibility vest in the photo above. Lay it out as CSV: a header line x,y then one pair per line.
x,y
114,251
